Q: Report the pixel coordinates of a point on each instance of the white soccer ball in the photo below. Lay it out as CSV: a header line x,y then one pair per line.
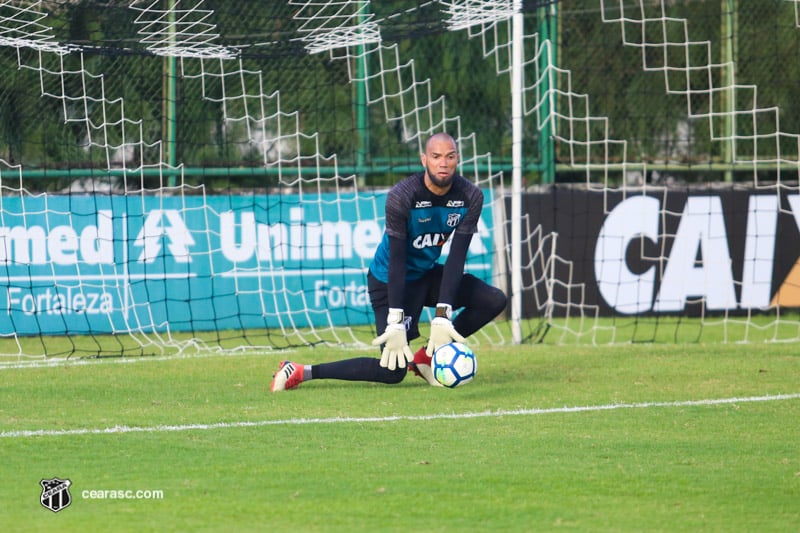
x,y
454,364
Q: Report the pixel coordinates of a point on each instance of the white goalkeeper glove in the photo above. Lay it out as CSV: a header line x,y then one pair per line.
x,y
396,352
442,330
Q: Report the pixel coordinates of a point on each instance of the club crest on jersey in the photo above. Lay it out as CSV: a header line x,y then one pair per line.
x,y
55,494
453,219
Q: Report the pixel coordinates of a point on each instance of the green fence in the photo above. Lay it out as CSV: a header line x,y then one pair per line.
x,y
653,88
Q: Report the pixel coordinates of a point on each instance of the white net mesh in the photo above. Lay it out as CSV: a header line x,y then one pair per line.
x,y
138,245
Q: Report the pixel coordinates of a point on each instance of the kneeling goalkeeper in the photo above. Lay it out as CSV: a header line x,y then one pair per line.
x,y
423,211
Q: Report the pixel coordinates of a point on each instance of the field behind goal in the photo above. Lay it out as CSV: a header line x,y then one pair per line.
x,y
636,438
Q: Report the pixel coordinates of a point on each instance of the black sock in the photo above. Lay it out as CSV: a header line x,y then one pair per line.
x,y
358,369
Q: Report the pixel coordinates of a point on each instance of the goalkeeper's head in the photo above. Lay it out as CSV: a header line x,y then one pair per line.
x,y
440,160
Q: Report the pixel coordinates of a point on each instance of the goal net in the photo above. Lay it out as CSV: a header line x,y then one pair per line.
x,y
184,176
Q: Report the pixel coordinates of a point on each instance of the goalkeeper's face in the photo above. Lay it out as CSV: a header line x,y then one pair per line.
x,y
440,160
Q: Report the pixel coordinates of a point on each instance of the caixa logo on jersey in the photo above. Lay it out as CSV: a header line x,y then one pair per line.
x,y
726,251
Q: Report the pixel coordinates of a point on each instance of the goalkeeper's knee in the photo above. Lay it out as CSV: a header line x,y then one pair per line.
x,y
391,377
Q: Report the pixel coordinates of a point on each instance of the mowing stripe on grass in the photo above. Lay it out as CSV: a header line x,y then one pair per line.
x,y
350,420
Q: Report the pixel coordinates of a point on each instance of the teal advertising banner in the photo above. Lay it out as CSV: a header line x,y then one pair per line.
x,y
91,264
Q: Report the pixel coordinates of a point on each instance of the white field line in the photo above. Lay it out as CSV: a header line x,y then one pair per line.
x,y
364,420
133,359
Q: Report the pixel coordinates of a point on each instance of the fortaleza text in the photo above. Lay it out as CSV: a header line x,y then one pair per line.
x,y
64,300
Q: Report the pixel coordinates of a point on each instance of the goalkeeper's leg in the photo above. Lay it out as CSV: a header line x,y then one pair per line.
x,y
421,366
290,374
358,369
481,304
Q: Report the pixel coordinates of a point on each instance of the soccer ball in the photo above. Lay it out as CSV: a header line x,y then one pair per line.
x,y
454,364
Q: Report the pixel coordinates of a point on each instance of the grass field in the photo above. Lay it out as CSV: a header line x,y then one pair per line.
x,y
646,437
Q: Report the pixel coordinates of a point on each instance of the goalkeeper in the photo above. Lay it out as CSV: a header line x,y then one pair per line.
x,y
423,211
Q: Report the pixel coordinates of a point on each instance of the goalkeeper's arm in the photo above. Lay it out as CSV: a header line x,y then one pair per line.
x,y
395,352
442,330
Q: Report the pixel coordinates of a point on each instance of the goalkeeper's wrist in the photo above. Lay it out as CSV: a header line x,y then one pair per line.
x,y
444,310
395,316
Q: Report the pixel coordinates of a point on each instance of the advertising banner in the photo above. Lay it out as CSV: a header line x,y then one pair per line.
x,y
115,263
724,249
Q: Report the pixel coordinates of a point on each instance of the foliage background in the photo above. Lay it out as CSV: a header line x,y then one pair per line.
x,y
33,131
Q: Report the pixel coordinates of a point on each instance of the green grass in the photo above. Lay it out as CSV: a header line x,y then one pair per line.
x,y
776,326
364,457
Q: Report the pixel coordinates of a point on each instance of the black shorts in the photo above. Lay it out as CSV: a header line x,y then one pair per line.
x,y
473,294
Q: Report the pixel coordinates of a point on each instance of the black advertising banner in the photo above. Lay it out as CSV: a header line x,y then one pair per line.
x,y
722,249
